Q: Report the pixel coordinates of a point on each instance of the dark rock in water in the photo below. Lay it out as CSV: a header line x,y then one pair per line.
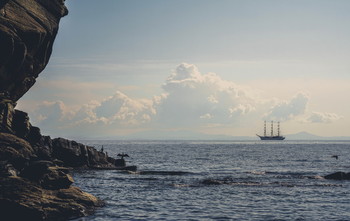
x,y
111,160
338,176
165,173
97,158
74,154
69,152
211,182
120,163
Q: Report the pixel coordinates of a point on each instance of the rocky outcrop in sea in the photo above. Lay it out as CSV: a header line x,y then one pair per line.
x,y
35,183
338,176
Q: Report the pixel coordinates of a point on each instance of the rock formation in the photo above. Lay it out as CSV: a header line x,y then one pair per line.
x,y
338,176
28,29
35,183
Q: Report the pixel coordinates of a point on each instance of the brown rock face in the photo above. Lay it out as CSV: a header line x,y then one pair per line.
x,y
27,31
35,183
21,199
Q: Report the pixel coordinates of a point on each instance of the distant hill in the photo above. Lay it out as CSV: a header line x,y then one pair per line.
x,y
307,136
303,136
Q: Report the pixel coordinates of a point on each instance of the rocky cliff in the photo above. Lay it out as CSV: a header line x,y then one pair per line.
x,y
28,29
35,183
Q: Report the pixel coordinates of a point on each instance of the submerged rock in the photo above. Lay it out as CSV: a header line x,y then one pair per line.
x,y
338,176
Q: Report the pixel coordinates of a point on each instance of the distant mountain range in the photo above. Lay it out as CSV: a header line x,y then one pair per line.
x,y
189,135
308,136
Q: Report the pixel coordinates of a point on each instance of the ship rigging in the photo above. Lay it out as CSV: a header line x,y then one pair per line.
x,y
272,136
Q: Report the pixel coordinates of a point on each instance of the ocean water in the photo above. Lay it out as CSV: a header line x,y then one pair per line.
x,y
212,180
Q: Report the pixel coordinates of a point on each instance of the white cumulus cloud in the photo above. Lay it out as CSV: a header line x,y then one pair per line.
x,y
317,117
190,99
287,110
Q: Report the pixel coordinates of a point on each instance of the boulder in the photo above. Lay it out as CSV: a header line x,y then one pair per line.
x,y
70,152
56,178
48,175
15,150
36,170
120,163
75,154
97,158
22,199
20,124
41,144
338,176
34,136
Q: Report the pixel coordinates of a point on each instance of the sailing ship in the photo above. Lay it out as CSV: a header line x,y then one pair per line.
x,y
272,136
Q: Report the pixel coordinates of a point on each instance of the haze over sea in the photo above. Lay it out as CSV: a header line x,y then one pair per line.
x,y
221,180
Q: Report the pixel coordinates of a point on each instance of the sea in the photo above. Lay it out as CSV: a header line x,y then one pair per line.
x,y
221,180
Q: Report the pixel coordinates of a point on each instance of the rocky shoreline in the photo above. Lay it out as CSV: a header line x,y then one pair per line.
x,y
35,183
35,180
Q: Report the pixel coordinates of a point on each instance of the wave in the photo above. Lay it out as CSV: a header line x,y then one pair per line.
x,y
257,172
161,172
286,175
239,182
210,181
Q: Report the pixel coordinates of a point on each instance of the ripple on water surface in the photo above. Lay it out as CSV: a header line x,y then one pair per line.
x,y
222,181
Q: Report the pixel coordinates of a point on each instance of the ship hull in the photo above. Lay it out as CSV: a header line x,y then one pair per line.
x,y
271,138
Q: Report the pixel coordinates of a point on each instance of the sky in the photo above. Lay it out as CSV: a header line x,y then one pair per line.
x,y
211,67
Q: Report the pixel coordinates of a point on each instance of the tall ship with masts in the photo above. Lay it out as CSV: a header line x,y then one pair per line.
x,y
272,136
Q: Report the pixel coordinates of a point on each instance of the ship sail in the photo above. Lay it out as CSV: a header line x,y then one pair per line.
x,y
272,136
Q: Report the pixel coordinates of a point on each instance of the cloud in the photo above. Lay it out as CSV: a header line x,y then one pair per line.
x,y
51,115
288,110
115,112
190,100
317,117
118,110
195,99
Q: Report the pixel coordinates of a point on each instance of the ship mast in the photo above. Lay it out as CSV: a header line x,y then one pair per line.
x,y
265,128
271,128
278,129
